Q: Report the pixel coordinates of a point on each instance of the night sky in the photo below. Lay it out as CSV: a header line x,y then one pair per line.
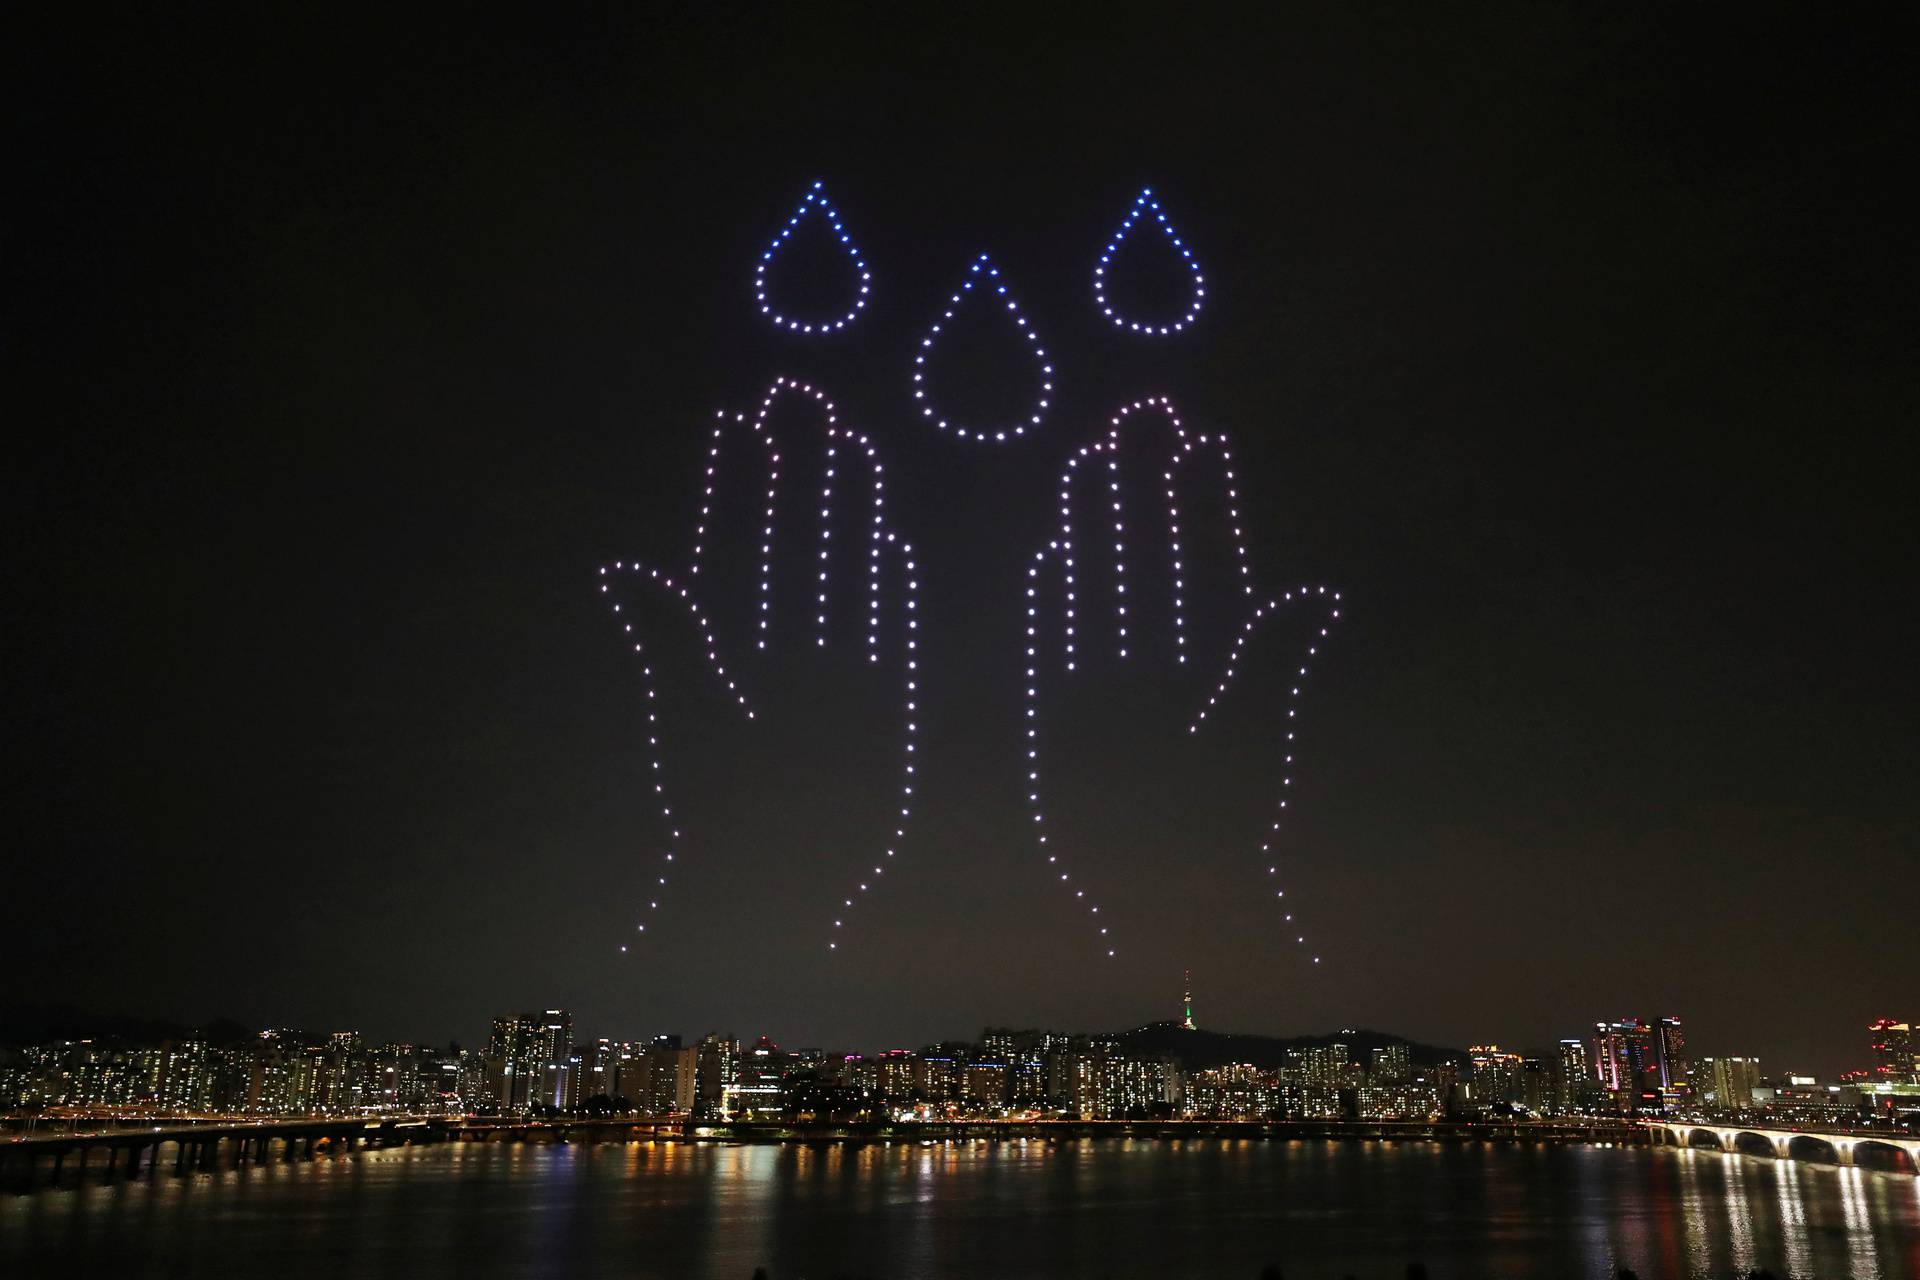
x,y
1575,350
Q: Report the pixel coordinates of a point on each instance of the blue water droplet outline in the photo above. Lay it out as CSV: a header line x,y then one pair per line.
x,y
1145,202
814,201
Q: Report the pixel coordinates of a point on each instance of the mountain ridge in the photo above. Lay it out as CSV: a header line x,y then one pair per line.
x,y
1200,1048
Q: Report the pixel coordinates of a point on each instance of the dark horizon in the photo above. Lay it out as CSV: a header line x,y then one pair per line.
x,y
1572,348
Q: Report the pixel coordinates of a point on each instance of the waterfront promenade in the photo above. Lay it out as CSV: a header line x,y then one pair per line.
x,y
110,1151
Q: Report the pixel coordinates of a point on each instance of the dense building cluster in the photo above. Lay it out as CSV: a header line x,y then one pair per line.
x,y
276,1073
533,1064
1004,1073
1633,1066
1325,1082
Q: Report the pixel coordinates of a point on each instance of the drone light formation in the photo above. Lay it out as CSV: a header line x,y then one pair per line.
x,y
1331,599
1145,203
1060,553
1187,450
814,203
983,273
877,523
1217,446
679,590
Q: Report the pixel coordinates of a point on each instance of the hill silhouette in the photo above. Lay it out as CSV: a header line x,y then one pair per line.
x,y
1199,1049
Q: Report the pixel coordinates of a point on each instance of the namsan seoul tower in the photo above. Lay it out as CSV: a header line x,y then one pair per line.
x,y
1186,1002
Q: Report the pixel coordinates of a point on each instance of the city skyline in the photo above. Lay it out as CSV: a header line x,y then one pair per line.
x,y
1621,1054
1758,1042
543,1061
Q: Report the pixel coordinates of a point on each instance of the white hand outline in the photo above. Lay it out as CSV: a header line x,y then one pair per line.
x,y
679,589
1061,554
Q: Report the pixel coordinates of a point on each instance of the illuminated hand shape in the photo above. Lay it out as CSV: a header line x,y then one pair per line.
x,y
854,572
1115,587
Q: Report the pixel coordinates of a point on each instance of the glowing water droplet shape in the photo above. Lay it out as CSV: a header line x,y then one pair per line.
x,y
815,202
984,274
1145,203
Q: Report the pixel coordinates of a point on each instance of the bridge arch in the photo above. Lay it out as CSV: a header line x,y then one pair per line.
x,y
1869,1154
1702,1138
1807,1146
1749,1143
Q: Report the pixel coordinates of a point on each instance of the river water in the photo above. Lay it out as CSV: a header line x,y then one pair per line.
x,y
1010,1210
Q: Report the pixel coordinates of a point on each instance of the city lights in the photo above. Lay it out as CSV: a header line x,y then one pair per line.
x,y
1628,1074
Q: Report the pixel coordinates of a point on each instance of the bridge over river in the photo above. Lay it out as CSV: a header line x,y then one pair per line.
x,y
129,1152
1872,1149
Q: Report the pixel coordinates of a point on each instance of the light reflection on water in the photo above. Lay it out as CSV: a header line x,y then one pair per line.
x,y
1008,1210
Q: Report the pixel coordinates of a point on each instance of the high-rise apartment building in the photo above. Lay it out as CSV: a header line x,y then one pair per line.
x,y
1494,1076
1727,1084
1538,1092
1237,1092
598,1062
1073,1076
716,1068
986,1083
672,1077
188,1083
1389,1065
527,1057
936,1077
474,1093
1573,1078
892,1075
1327,1066
1025,1054
1138,1088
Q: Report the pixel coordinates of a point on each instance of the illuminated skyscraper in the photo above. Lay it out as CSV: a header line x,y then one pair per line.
x,y
1626,1062
1676,1072
1896,1052
758,1091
